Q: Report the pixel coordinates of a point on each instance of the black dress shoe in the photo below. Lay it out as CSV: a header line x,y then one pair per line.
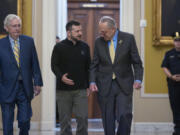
x,y
175,133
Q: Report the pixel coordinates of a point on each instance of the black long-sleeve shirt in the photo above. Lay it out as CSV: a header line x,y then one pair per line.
x,y
71,59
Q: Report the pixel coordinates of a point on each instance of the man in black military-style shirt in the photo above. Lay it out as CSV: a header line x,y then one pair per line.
x,y
171,67
70,63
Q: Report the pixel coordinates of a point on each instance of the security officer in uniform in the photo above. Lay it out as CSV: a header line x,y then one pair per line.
x,y
171,67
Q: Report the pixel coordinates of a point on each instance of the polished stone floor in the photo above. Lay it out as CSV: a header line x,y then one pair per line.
x,y
89,133
94,128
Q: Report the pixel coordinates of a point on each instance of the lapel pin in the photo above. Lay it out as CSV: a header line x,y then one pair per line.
x,y
120,42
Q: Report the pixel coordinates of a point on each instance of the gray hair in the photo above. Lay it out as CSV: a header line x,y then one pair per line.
x,y
110,21
9,18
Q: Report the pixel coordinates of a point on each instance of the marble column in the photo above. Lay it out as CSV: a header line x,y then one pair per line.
x,y
48,42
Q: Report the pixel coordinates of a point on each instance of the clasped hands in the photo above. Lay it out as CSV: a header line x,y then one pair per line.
x,y
176,77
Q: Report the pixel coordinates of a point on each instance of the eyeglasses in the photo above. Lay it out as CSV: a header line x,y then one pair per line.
x,y
16,26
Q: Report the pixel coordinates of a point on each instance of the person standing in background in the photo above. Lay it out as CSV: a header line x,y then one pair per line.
x,y
171,67
57,39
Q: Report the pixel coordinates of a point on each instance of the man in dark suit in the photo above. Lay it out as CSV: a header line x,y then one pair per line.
x,y
115,69
19,72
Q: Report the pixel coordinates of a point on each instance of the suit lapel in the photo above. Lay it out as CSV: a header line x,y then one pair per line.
x,y
10,51
22,49
118,47
106,48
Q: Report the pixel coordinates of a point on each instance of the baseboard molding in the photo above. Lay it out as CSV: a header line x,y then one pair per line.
x,y
47,125
34,125
44,126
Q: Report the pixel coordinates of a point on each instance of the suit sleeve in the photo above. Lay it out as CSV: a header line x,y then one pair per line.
x,y
37,78
94,64
136,61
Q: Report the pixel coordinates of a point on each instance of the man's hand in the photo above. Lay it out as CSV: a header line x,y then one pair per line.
x,y
176,77
66,80
88,91
93,87
137,85
37,90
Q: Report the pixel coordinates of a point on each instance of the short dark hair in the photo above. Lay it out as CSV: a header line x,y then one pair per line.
x,y
57,37
70,24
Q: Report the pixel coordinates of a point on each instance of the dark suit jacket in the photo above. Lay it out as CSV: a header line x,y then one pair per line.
x,y
127,64
9,71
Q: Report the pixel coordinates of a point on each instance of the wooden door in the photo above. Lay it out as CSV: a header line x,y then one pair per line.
x,y
88,14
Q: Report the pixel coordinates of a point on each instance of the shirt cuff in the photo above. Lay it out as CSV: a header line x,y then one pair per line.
x,y
138,81
92,83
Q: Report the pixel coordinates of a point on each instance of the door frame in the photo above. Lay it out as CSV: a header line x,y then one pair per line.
x,y
126,25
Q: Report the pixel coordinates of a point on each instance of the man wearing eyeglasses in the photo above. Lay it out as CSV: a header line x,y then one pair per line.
x,y
20,76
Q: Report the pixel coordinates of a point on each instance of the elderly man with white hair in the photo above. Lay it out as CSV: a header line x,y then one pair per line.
x,y
20,76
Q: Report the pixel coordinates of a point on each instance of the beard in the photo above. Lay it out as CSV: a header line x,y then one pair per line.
x,y
76,38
